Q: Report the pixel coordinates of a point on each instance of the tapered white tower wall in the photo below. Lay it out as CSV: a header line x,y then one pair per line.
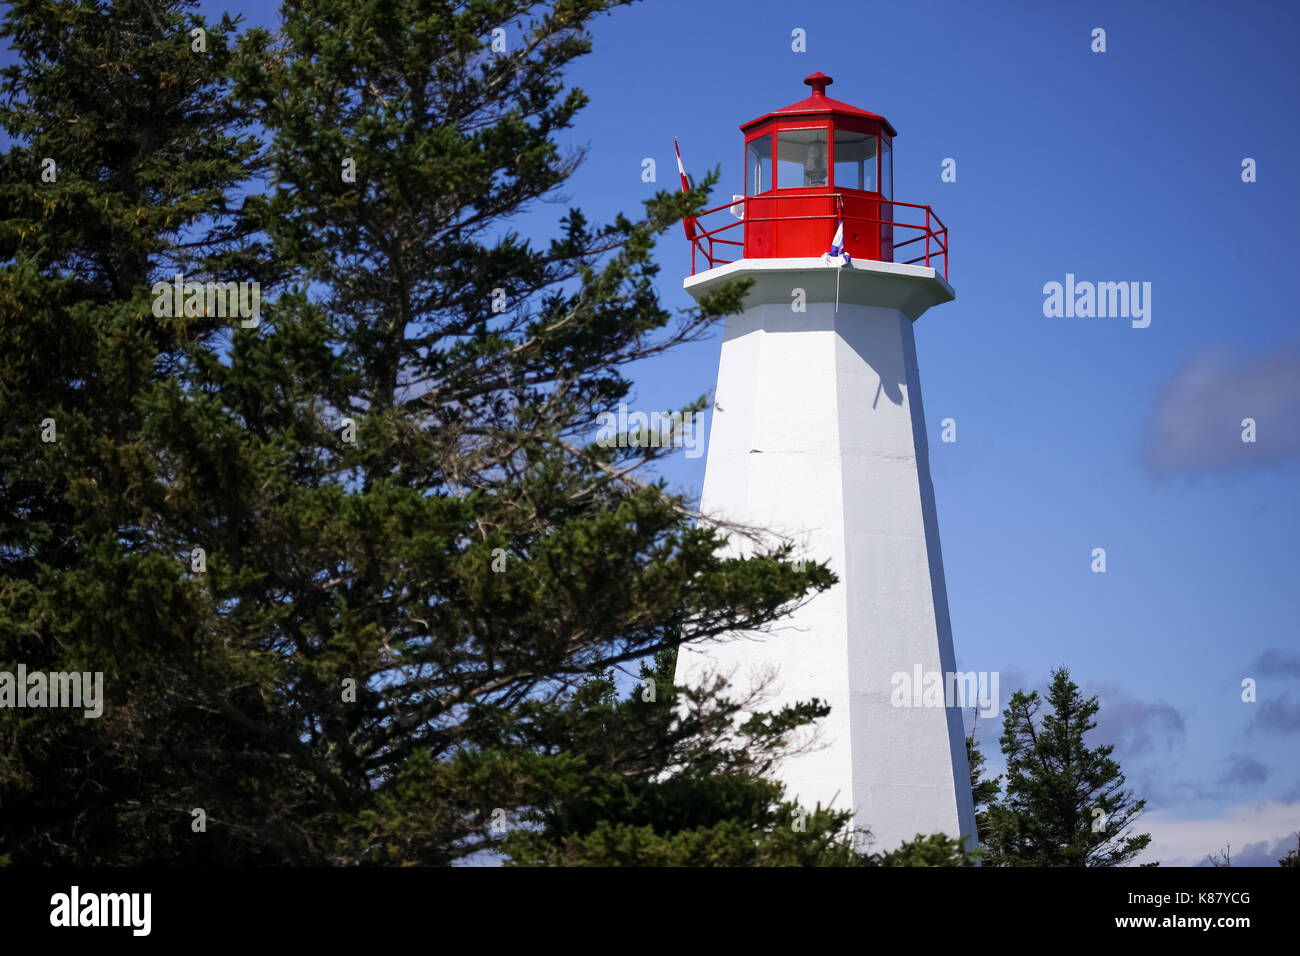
x,y
818,434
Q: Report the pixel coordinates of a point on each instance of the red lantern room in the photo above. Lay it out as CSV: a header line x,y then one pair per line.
x,y
808,167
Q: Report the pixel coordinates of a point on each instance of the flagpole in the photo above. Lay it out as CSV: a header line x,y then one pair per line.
x,y
839,251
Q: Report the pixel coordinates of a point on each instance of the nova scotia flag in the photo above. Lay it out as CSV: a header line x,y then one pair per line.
x,y
837,247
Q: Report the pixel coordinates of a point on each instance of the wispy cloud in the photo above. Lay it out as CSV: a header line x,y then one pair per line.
x,y
1136,728
1196,425
1279,715
1276,663
1243,769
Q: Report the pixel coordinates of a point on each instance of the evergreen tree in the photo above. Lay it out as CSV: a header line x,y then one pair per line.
x,y
417,567
716,805
123,154
1065,803
984,791
1292,857
938,849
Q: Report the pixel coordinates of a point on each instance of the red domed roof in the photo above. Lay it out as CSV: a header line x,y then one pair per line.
x,y
820,104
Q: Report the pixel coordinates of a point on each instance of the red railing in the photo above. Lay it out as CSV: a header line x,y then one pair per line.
x,y
932,232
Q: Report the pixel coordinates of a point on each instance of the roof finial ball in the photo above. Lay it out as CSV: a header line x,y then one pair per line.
x,y
818,82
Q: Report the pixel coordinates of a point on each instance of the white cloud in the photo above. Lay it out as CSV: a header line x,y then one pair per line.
x,y
1196,425
1189,842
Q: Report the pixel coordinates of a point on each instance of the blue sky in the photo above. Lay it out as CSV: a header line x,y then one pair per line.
x,y
1072,433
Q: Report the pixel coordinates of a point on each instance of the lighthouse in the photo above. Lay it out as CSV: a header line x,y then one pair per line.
x,y
818,434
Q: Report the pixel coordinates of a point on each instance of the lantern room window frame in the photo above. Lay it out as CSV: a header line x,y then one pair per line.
x,y
769,160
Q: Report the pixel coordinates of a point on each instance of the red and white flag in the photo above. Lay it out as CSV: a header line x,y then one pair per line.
x,y
688,223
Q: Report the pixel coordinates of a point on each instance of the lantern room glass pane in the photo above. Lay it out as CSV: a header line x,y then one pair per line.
x,y
855,160
758,165
887,170
801,158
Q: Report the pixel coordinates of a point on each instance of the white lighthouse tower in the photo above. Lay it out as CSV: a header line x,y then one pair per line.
x,y
818,434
